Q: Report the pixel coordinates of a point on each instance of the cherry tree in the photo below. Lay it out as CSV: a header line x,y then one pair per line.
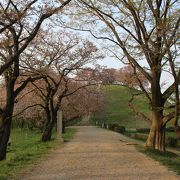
x,y
64,55
20,22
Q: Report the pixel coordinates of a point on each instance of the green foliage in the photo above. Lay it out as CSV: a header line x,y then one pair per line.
x,y
171,134
169,159
171,142
26,149
117,128
143,130
170,129
116,109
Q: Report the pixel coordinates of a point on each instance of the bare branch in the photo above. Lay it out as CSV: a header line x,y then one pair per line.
x,y
137,112
22,111
25,83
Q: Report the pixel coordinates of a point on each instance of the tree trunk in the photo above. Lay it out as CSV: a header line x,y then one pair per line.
x,y
5,125
177,130
63,127
51,120
156,137
47,133
5,129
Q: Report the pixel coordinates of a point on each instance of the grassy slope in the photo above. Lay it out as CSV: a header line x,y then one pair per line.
x,y
117,110
26,149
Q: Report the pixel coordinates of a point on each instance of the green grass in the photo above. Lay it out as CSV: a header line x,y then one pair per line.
x,y
68,134
26,149
117,111
169,159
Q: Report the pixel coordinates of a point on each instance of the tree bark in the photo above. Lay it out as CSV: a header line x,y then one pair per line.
x,y
6,118
156,137
51,120
63,127
47,133
5,129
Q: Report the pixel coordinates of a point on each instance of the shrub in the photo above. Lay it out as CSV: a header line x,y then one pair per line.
x,y
143,130
117,128
170,129
120,129
171,142
112,126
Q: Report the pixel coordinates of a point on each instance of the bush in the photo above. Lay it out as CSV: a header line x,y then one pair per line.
x,y
117,128
112,126
170,129
171,142
143,130
120,129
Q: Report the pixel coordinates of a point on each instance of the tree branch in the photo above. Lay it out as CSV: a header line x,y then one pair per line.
x,y
169,91
28,108
169,117
136,112
25,83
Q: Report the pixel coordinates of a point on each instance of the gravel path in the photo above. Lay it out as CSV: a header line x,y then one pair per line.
x,y
98,154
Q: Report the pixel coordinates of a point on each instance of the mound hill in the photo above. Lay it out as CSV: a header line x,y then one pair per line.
x,y
116,108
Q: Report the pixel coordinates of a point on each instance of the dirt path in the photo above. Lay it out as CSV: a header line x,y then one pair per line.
x,y
98,154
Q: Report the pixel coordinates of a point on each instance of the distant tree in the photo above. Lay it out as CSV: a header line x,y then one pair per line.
x,y
82,103
128,76
108,76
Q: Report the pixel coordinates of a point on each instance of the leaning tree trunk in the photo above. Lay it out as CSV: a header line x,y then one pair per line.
x,y
5,129
156,137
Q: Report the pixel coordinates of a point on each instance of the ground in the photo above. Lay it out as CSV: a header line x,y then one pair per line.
x,y
98,154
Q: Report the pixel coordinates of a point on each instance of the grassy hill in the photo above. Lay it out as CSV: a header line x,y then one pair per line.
x,y
116,108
